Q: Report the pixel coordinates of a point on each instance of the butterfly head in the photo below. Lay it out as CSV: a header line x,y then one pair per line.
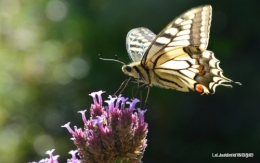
x,y
131,70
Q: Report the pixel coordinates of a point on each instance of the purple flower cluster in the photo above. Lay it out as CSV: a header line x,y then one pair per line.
x,y
113,134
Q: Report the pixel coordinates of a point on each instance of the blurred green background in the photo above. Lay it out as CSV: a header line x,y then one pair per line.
x,y
49,65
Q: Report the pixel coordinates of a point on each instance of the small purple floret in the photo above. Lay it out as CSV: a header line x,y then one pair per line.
x,y
73,157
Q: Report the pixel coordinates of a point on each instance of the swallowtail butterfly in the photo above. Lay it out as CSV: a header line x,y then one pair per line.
x,y
176,58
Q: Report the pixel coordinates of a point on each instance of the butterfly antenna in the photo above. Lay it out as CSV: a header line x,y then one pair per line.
x,y
116,60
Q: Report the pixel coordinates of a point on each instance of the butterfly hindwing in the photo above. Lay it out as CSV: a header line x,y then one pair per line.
x,y
200,72
137,41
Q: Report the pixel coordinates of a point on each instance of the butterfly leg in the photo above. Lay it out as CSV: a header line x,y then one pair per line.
x,y
122,86
141,92
147,95
136,87
148,91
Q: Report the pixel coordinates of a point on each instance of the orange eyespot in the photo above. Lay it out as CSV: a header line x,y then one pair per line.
x,y
201,72
199,88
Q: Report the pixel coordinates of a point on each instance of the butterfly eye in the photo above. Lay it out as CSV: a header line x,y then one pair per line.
x,y
128,68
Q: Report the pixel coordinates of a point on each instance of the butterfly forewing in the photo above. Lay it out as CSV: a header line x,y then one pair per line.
x,y
137,41
189,29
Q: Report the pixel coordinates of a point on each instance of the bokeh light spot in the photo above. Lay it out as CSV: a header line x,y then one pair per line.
x,y
51,50
9,8
56,10
22,39
53,121
43,143
35,66
60,74
6,82
10,139
78,68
